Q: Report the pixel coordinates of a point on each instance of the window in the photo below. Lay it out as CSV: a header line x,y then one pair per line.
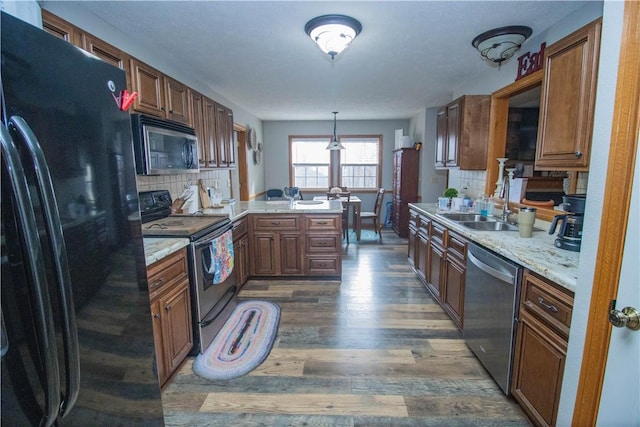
x,y
358,167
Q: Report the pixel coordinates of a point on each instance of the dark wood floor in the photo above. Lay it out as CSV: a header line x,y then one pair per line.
x,y
373,349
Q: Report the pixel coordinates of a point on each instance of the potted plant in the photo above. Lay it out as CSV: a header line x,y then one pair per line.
x,y
450,193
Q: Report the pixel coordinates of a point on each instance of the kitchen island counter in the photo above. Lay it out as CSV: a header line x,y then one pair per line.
x,y
237,210
536,253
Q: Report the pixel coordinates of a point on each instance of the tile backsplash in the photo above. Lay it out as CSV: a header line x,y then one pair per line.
x,y
473,181
220,179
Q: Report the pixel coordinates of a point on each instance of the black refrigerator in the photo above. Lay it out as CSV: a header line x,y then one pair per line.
x,y
77,342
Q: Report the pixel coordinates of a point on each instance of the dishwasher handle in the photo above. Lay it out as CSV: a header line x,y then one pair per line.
x,y
505,277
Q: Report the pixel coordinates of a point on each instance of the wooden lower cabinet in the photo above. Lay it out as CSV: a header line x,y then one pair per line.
x,y
241,251
439,259
295,245
541,348
171,312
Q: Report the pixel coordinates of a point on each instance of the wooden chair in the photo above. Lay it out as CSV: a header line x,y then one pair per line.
x,y
346,205
375,215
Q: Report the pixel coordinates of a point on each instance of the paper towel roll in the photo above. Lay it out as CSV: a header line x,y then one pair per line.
x,y
193,203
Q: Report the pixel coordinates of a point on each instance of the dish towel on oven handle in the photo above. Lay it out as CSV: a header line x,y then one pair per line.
x,y
220,262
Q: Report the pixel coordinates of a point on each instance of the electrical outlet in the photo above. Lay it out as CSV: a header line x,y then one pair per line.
x,y
434,179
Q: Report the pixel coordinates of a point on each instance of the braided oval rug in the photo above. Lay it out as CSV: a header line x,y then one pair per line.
x,y
242,344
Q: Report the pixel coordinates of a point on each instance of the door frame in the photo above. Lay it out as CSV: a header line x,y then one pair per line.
x,y
614,220
243,175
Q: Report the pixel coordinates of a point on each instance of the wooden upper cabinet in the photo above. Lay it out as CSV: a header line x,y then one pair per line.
x,y
224,136
147,81
196,101
107,53
177,103
60,28
210,153
462,133
567,101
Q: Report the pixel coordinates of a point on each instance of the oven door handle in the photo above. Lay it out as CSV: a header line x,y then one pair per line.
x,y
206,242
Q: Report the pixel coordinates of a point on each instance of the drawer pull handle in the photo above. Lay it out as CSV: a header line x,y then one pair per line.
x,y
168,307
275,223
322,222
549,307
158,282
156,316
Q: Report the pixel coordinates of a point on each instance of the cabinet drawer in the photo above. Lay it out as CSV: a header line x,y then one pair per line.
x,y
169,270
438,233
273,222
323,243
328,265
457,247
547,302
239,228
323,223
423,226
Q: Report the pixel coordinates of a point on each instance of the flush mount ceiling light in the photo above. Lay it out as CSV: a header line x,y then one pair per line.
x,y
502,43
333,33
335,144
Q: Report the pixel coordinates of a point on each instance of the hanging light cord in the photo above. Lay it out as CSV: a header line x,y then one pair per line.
x,y
335,136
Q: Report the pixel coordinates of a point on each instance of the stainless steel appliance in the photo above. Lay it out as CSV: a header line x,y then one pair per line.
x,y
163,147
492,290
212,299
77,340
570,234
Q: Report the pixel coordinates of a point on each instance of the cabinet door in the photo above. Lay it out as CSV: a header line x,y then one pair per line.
x,y
147,81
265,257
453,298
435,270
241,259
453,134
422,256
538,368
161,367
441,137
60,28
413,238
224,137
177,333
210,149
567,101
291,252
177,101
197,121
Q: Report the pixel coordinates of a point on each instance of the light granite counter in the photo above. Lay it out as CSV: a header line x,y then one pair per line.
x,y
156,248
536,253
239,209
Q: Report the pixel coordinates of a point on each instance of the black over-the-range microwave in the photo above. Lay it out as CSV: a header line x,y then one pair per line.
x,y
163,147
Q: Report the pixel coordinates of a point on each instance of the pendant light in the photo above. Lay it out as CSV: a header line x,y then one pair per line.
x,y
335,144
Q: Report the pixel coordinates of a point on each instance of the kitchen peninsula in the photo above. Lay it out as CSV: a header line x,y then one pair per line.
x,y
302,238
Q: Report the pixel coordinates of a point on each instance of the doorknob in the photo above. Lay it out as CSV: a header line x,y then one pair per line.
x,y
629,317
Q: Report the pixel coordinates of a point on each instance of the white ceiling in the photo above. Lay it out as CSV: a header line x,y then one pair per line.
x,y
410,54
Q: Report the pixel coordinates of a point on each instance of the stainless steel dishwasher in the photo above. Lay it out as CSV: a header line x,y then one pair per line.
x,y
492,289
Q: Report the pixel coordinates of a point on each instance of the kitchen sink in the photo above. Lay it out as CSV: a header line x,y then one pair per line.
x,y
467,217
490,226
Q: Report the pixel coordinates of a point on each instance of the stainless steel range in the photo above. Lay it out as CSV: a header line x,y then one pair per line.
x,y
210,252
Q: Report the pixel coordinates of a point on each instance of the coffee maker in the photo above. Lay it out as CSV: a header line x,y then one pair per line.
x,y
570,234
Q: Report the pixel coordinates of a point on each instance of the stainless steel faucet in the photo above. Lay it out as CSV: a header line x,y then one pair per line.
x,y
505,207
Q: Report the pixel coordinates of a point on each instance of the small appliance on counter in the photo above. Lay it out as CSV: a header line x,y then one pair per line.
x,y
570,234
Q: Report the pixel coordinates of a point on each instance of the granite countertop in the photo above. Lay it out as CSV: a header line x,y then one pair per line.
x,y
537,253
239,209
157,248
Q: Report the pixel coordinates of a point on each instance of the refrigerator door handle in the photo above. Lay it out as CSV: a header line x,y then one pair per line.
x,y
42,314
59,256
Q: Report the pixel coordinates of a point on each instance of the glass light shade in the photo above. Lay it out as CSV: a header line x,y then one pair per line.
x,y
335,145
500,44
333,33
